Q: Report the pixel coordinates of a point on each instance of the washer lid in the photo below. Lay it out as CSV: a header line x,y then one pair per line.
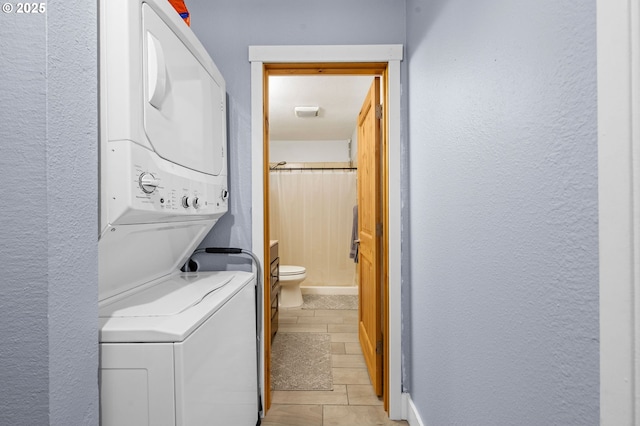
x,y
170,310
170,297
286,270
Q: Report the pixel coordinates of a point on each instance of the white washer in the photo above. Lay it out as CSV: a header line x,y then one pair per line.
x,y
176,348
189,353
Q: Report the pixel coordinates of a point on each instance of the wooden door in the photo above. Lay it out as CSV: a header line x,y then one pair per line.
x,y
369,234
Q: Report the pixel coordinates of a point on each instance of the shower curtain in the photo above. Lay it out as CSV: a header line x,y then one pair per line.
x,y
311,215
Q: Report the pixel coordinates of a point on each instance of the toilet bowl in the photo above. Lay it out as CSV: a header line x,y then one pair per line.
x,y
290,278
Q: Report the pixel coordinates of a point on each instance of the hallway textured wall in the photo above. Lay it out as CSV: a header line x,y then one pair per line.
x,y
48,181
503,212
24,354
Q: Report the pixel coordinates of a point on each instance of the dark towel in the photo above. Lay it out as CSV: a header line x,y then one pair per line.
x,y
353,254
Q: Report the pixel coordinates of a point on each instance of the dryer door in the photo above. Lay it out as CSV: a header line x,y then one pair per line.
x,y
184,105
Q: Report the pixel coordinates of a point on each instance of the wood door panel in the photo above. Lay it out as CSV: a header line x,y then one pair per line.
x,y
369,220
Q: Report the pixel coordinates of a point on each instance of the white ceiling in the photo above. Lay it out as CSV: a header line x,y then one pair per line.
x,y
339,99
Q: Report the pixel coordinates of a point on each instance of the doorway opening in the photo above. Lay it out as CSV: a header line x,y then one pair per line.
x,y
312,176
371,315
313,228
336,60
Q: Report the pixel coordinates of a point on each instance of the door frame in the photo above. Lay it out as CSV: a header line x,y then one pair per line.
x,y
618,69
391,55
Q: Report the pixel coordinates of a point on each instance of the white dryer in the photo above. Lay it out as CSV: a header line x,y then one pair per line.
x,y
175,348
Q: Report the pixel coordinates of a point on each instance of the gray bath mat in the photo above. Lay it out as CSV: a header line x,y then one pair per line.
x,y
317,301
301,361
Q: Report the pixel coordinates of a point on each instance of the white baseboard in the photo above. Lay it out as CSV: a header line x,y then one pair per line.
x,y
330,290
410,411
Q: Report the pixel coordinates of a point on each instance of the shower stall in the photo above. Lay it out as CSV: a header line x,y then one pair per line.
x,y
311,215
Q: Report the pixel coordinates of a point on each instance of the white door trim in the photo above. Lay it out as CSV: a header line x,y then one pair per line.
x,y
619,209
392,54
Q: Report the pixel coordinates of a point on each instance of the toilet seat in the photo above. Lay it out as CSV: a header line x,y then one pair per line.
x,y
290,270
290,277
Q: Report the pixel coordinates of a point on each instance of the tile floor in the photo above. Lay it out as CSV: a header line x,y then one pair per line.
x,y
352,401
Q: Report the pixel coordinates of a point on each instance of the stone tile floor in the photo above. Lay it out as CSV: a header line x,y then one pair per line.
x,y
352,401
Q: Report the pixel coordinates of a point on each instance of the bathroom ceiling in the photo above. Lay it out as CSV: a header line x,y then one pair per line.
x,y
339,99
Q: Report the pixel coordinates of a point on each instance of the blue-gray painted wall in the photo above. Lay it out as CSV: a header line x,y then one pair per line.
x,y
500,291
24,354
227,29
503,212
48,218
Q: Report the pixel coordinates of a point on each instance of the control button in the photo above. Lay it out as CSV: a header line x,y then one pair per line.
x,y
224,195
191,202
148,182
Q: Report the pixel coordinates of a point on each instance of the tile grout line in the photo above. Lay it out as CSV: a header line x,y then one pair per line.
x,y
325,404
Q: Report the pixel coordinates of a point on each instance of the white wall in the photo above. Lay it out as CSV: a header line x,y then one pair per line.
x,y
309,151
503,212
354,147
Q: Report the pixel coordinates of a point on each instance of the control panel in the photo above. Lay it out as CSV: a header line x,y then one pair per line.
x,y
145,188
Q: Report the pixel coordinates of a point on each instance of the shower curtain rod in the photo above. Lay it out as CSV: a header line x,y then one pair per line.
x,y
312,168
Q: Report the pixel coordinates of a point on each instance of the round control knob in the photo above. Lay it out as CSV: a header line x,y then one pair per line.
x,y
186,202
148,182
196,203
224,195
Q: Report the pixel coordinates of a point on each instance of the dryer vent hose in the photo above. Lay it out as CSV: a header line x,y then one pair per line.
x,y
227,250
193,266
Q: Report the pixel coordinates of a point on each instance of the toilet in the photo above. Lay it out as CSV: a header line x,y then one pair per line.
x,y
290,278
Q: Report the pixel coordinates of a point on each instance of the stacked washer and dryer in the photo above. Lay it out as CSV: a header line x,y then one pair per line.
x,y
175,348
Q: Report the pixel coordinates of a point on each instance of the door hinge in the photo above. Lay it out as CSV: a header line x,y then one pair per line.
x,y
379,347
379,112
378,229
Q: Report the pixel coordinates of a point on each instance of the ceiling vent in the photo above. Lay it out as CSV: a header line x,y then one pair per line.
x,y
306,111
